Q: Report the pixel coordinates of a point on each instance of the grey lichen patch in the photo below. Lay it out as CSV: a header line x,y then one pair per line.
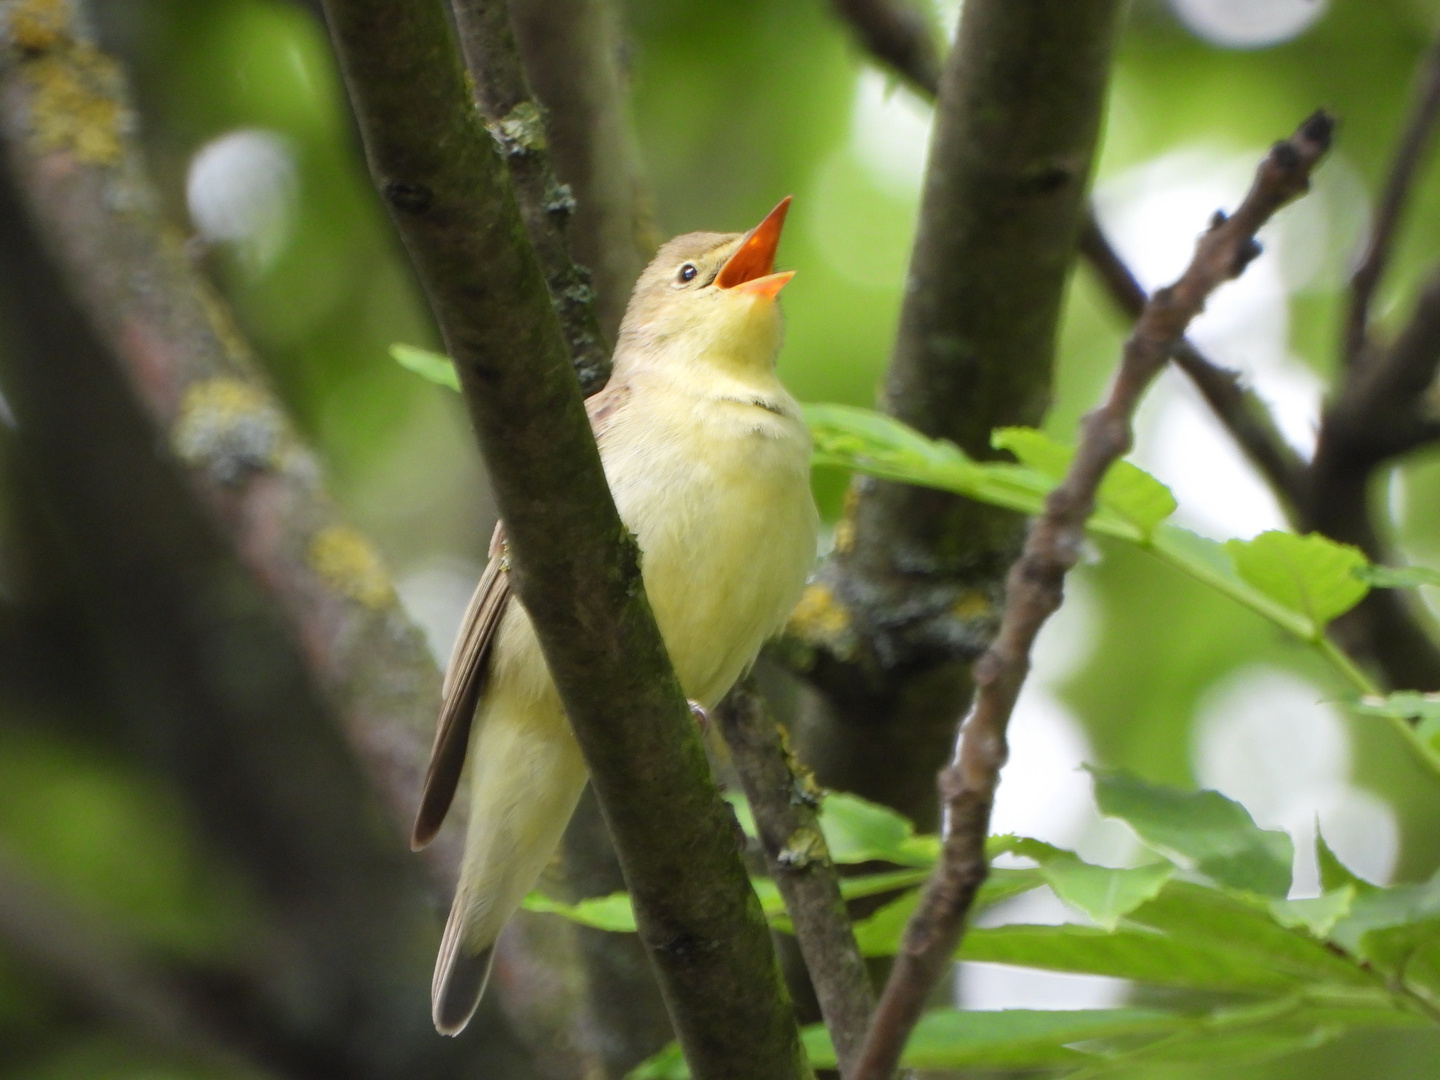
x,y
804,847
522,130
348,563
230,428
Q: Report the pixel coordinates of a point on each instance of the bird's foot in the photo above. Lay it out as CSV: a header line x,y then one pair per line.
x,y
701,714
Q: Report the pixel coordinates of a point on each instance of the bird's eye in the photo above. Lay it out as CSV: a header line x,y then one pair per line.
x,y
687,273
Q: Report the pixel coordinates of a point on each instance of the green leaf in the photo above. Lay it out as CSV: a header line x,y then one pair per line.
x,y
1126,953
1218,834
1237,923
871,442
666,1064
1008,1038
437,367
1397,577
1127,490
858,830
611,912
1104,893
879,933
1312,574
1317,914
1334,874
1386,909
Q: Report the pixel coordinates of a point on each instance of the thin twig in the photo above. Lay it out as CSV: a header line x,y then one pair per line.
x,y
1034,591
1235,405
897,35
1408,157
573,564
518,125
783,797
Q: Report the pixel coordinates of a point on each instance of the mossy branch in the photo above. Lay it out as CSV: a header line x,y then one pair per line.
x,y
574,565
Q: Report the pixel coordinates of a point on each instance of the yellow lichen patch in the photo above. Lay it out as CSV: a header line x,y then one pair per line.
x,y
972,605
230,426
818,616
40,25
845,527
347,562
76,107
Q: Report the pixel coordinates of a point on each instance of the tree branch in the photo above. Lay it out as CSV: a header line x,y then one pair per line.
x,y
1408,156
897,35
909,598
574,565
783,797
66,133
1234,404
573,52
518,125
1034,590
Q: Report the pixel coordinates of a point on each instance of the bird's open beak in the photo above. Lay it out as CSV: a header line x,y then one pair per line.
x,y
750,268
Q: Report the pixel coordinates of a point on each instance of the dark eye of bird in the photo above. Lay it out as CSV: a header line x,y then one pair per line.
x,y
687,273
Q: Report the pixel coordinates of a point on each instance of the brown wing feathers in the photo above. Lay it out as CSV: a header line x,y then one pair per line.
x,y
464,681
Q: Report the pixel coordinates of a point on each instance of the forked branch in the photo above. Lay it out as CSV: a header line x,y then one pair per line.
x,y
1034,590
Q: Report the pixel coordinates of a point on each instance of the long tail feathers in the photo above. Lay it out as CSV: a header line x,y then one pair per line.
x,y
460,977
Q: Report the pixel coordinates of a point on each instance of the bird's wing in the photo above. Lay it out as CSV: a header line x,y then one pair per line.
x,y
464,682
469,663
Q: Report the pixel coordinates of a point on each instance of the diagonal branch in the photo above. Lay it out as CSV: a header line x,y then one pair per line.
x,y
1408,157
899,39
897,35
574,565
783,797
1034,591
66,131
518,125
1244,415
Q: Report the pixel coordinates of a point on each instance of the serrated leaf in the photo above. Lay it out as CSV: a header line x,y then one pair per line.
x,y
1127,490
1334,874
858,830
1106,894
436,367
1312,575
1008,1038
1384,909
1217,834
1212,918
1398,577
1317,914
1126,953
1405,704
879,933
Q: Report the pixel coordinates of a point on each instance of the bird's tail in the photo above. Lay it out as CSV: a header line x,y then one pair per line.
x,y
527,776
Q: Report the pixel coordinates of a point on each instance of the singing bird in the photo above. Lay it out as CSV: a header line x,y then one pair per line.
x,y
708,459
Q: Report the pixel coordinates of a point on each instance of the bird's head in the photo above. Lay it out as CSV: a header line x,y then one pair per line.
x,y
710,297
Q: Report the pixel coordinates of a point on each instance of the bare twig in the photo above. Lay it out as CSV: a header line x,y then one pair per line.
x,y
1408,157
783,796
1034,591
518,125
573,564
897,35
1244,415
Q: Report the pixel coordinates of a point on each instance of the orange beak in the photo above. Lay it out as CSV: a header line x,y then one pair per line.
x,y
750,268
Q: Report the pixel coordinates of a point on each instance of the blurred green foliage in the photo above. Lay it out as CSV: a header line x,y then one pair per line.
x,y
735,105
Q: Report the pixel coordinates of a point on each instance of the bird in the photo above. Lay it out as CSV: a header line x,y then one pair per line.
x,y
708,459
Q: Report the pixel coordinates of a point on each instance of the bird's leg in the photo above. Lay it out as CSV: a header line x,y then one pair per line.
x,y
701,714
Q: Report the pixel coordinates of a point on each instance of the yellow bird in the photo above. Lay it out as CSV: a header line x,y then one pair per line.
x,y
708,459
